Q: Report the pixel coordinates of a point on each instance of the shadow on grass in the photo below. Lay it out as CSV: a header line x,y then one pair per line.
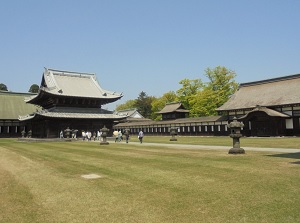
x,y
288,155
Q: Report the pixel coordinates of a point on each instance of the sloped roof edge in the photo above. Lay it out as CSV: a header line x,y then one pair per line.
x,y
80,113
276,79
73,84
173,107
206,119
268,111
267,93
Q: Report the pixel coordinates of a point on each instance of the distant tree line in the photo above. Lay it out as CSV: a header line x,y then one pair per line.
x,y
201,98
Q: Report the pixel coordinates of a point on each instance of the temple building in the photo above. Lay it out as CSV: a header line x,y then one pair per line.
x,y
75,100
175,115
267,107
174,110
130,113
69,100
12,105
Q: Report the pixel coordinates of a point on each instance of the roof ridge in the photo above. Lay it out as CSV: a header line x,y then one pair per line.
x,y
17,93
271,80
70,72
170,103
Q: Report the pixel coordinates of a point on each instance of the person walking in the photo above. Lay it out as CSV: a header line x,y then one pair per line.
x,y
126,133
141,136
89,135
116,133
83,135
61,134
98,135
120,136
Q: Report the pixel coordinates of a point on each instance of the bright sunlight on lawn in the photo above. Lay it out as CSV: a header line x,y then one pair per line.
x,y
42,182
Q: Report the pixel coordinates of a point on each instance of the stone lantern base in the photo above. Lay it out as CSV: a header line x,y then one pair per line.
x,y
236,151
173,139
104,143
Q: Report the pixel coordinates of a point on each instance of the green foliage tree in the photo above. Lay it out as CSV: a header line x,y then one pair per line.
x,y
34,88
202,99
130,104
3,87
201,103
222,83
143,104
159,103
215,93
188,89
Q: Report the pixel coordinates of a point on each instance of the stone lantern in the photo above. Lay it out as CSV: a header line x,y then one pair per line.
x,y
29,134
104,131
68,132
235,134
23,133
173,133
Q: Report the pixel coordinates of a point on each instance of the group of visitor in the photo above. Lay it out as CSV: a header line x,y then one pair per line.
x,y
88,136
73,133
119,136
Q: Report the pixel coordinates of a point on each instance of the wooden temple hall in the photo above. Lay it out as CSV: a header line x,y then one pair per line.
x,y
175,115
266,108
69,99
72,99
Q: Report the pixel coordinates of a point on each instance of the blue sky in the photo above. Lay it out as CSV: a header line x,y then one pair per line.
x,y
147,45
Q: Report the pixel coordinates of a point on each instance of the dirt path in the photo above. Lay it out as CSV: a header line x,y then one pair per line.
x,y
207,147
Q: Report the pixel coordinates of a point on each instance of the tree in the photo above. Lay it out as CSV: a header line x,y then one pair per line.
x,y
202,103
188,89
34,88
130,104
215,93
159,103
143,104
202,99
3,87
222,83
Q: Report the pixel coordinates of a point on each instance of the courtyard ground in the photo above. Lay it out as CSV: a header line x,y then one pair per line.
x,y
150,182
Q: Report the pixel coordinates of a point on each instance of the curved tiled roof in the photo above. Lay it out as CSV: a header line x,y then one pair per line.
x,y
80,113
269,112
74,84
132,113
173,107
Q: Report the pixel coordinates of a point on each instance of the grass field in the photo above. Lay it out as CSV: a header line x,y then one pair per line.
x,y
42,182
271,142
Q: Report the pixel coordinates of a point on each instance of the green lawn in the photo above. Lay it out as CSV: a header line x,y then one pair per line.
x,y
271,142
41,182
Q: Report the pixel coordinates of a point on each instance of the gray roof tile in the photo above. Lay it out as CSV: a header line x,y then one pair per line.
x,y
272,92
75,84
12,105
81,113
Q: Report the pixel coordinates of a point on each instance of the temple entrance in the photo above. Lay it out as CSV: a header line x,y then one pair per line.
x,y
259,123
260,127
